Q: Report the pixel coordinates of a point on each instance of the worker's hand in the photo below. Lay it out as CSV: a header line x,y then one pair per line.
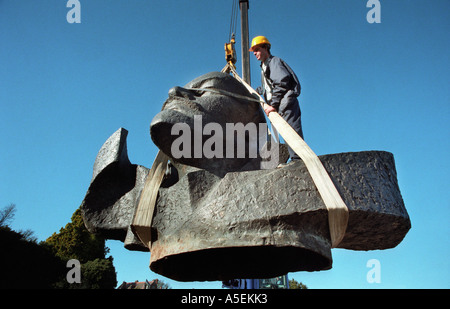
x,y
268,109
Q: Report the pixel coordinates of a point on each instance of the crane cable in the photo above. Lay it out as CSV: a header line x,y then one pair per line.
x,y
230,51
233,19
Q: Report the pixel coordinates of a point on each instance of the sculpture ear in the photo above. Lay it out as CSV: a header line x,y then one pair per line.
x,y
109,204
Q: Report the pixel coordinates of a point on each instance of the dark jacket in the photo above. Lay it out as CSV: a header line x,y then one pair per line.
x,y
283,82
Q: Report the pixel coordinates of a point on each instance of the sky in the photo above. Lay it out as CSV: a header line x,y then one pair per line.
x,y
66,87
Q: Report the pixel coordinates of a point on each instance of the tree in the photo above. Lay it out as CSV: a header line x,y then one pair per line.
x,y
293,284
74,241
161,285
28,264
25,263
98,274
7,215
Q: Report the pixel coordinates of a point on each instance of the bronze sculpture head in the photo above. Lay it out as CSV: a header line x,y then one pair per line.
x,y
214,109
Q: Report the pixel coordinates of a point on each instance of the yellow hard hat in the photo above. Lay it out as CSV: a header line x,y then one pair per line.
x,y
258,40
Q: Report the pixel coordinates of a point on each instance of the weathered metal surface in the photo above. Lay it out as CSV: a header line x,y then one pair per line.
x,y
259,224
109,204
218,219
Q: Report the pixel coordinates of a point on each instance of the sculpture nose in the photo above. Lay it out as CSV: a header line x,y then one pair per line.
x,y
180,92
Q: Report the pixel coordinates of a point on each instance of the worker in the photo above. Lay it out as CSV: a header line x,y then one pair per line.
x,y
280,87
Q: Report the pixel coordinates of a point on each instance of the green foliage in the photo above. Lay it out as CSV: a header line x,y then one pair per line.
x,y
161,285
99,274
95,274
293,284
28,264
75,242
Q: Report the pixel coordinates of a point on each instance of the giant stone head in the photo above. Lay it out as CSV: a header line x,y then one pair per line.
x,y
214,109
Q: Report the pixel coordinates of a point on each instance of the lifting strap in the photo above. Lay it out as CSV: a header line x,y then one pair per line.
x,y
143,215
337,210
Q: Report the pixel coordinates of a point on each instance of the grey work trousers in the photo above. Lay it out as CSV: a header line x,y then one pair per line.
x,y
291,113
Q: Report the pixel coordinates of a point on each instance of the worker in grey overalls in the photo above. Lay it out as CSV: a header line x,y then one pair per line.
x,y
280,87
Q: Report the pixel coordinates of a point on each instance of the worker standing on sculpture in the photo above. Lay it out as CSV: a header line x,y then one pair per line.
x,y
280,87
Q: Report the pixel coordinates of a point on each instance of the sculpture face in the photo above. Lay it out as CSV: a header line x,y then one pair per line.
x,y
197,109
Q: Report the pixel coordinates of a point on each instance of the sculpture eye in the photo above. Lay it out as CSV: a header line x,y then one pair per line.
x,y
181,92
197,92
204,91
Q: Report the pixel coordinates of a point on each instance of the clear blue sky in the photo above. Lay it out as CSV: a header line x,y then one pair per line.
x,y
65,88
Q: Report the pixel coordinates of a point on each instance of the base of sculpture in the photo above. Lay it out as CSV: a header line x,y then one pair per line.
x,y
265,223
248,224
256,262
